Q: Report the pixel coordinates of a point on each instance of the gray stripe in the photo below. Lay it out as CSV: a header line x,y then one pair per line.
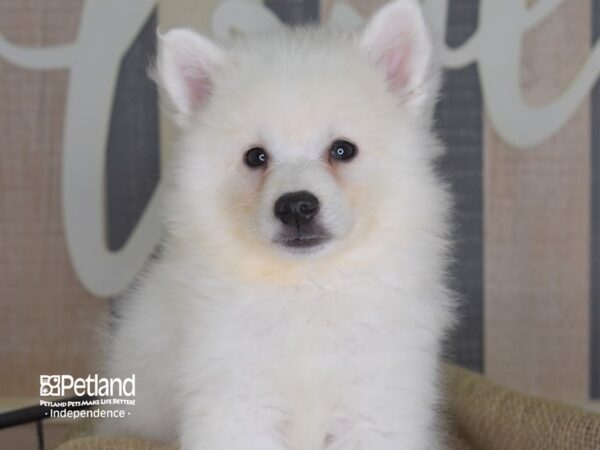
x,y
460,125
132,154
295,12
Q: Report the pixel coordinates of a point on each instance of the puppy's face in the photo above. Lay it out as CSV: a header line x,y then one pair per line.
x,y
299,144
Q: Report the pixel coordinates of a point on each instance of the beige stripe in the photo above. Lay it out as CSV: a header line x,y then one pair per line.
x,y
47,320
536,228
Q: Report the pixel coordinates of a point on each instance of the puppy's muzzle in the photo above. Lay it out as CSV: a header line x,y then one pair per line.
x,y
297,212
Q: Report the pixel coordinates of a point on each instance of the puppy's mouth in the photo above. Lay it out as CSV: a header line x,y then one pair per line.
x,y
303,242
303,239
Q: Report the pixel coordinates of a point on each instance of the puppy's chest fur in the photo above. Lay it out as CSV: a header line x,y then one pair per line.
x,y
310,357
272,331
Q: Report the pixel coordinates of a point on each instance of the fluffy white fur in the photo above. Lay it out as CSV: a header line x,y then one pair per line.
x,y
238,342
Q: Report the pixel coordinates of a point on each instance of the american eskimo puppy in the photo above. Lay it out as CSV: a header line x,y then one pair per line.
x,y
299,302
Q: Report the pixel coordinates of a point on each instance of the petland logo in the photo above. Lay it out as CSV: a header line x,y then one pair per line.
x,y
92,385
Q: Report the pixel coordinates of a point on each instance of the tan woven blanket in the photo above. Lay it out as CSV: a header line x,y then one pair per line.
x,y
480,416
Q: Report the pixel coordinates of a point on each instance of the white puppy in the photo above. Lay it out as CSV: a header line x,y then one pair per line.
x,y
299,302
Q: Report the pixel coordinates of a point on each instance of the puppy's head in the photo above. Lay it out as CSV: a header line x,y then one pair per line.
x,y
301,144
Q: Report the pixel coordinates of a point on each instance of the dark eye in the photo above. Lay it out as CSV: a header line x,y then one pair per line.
x,y
256,157
342,150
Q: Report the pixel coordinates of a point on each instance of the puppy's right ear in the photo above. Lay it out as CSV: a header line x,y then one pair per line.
x,y
397,41
185,70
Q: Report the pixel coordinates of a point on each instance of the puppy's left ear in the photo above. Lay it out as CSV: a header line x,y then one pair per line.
x,y
397,42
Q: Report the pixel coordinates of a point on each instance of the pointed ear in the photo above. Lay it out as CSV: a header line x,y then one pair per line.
x,y
397,41
185,70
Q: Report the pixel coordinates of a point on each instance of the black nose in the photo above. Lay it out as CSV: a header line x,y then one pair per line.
x,y
296,208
